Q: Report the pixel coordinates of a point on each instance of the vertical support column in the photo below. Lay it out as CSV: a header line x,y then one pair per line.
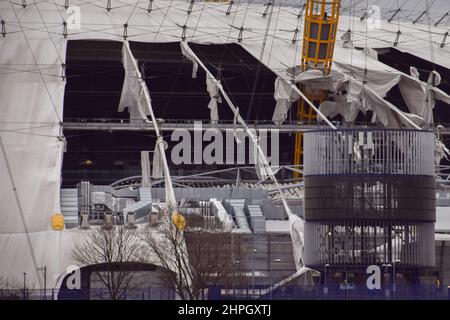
x,y
321,21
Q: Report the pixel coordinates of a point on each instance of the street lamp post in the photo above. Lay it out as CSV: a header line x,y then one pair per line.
x,y
44,268
24,285
346,283
394,280
386,265
253,272
236,263
325,288
272,278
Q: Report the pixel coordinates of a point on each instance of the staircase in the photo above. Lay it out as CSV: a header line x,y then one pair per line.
x,y
69,207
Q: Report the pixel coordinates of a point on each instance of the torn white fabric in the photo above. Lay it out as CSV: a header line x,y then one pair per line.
x,y
308,75
441,152
296,229
285,96
214,93
371,53
235,121
144,103
189,56
379,80
145,168
348,110
132,96
36,159
260,168
385,113
421,97
158,166
414,73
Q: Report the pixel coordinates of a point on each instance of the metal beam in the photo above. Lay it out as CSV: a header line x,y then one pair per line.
x,y
148,126
393,16
440,20
419,17
141,126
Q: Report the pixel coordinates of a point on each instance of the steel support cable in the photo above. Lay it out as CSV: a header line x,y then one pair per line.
x,y
163,19
170,194
198,20
19,207
261,55
48,31
297,47
270,51
182,64
37,65
430,36
132,11
244,125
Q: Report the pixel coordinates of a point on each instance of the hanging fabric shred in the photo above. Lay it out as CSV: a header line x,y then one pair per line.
x,y
158,165
235,118
189,56
285,97
260,167
145,167
213,91
133,96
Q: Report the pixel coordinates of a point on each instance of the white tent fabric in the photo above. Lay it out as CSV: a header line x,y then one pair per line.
x,y
158,165
32,90
30,113
285,96
188,56
213,91
53,251
145,167
141,97
296,229
260,168
132,96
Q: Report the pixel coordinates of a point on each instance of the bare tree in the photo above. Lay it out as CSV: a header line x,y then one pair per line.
x,y
193,259
113,249
10,289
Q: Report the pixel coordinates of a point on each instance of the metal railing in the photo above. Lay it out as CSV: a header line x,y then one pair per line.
x,y
256,292
332,292
150,293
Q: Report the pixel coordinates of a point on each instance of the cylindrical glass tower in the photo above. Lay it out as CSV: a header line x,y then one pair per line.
x,y
369,197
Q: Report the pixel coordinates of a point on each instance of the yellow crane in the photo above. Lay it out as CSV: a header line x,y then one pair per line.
x,y
319,37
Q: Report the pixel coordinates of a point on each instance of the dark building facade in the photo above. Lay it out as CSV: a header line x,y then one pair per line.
x,y
369,199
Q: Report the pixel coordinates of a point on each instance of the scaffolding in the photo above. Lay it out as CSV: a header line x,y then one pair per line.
x,y
321,23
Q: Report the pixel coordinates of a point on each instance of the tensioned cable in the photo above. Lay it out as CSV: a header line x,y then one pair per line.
x,y
198,20
430,35
230,29
182,64
48,32
37,65
366,48
163,19
351,25
19,206
261,56
132,11
270,52
273,37
299,27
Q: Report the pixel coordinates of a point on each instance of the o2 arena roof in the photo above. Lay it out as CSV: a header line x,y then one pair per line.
x,y
34,37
